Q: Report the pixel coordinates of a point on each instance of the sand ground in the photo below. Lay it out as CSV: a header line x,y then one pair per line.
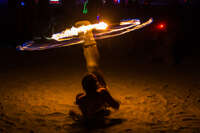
x,y
37,90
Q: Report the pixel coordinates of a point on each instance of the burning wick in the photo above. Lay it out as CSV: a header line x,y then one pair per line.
x,y
75,31
72,36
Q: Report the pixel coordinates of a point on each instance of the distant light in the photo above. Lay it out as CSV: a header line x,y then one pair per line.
x,y
55,1
117,1
85,10
161,26
22,3
98,18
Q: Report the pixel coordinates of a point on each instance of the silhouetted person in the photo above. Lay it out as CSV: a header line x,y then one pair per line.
x,y
95,101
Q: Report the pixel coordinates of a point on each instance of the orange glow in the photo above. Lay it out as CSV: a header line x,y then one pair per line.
x,y
75,31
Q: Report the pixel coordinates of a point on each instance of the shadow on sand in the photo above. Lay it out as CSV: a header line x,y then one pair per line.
x,y
86,126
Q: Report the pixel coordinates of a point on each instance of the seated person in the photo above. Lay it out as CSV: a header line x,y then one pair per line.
x,y
96,99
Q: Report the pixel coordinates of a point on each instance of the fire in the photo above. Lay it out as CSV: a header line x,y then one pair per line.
x,y
131,21
72,36
75,31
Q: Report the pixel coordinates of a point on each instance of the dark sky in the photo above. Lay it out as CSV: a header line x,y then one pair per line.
x,y
2,2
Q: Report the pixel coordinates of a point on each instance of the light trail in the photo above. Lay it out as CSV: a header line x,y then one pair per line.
x,y
70,37
126,30
75,31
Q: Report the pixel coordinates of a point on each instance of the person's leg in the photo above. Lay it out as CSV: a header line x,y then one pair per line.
x,y
75,115
103,113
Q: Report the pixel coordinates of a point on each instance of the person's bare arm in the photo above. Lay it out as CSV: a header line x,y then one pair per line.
x,y
78,97
109,99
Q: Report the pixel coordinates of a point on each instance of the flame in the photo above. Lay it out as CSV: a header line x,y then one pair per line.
x,y
70,37
75,31
132,21
127,29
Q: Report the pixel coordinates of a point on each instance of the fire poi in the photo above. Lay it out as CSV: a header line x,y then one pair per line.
x,y
86,34
70,36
